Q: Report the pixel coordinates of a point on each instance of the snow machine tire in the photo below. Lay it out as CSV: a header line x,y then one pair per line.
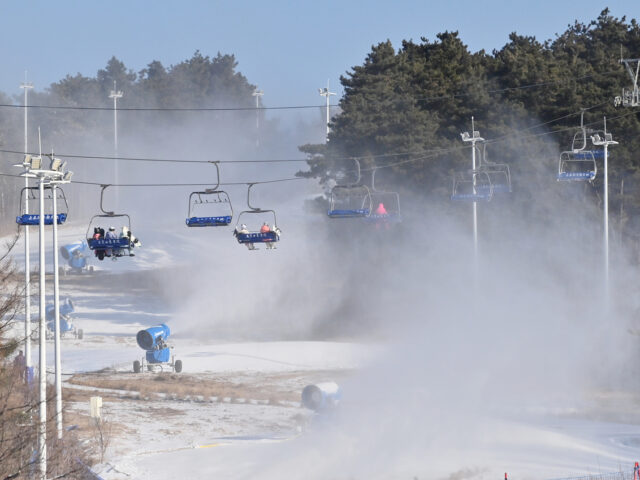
x,y
80,334
178,366
136,366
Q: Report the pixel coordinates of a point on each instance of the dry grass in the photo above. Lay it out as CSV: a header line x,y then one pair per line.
x,y
273,388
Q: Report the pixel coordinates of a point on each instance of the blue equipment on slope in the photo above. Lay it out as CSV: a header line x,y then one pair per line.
x,y
158,353
66,322
321,396
76,255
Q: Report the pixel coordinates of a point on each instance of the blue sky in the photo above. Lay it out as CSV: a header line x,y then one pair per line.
x,y
288,48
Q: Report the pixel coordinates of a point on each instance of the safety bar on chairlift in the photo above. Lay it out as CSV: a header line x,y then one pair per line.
x,y
62,196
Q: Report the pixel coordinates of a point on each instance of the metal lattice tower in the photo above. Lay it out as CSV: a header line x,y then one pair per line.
x,y
630,97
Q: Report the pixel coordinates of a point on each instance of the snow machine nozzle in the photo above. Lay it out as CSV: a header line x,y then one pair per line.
x,y
321,396
148,339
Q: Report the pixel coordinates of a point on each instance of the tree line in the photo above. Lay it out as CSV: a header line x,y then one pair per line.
x,y
401,107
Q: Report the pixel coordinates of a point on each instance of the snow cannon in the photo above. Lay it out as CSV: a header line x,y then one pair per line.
x,y
66,321
321,396
76,255
158,353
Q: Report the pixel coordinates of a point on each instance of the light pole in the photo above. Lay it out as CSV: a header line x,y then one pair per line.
x,y
58,166
596,139
257,93
115,94
27,260
324,92
34,170
473,138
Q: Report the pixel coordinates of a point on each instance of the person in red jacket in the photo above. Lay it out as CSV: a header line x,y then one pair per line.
x,y
381,210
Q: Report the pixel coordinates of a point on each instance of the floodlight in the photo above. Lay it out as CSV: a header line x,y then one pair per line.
x,y
596,139
67,176
56,163
27,160
36,163
608,137
465,136
476,134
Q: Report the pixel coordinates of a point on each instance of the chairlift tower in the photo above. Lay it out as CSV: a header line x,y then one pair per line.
x,y
324,92
26,86
473,139
605,141
257,93
630,97
115,94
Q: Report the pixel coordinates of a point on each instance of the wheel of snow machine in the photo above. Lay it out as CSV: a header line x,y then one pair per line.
x,y
80,334
62,271
136,366
91,268
178,366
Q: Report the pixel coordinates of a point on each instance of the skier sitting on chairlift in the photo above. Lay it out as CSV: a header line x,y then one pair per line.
x,y
276,230
244,230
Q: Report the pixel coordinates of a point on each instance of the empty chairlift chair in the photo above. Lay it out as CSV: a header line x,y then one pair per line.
x,y
34,218
578,164
351,200
211,207
473,186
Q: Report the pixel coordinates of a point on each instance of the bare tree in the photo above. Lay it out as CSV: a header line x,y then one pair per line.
x,y
18,404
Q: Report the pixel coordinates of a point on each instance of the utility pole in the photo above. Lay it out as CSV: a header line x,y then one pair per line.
x,y
58,166
473,138
257,93
115,94
605,142
324,92
33,169
26,86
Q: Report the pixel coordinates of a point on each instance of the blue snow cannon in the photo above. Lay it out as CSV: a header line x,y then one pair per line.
x,y
321,396
66,321
76,255
158,353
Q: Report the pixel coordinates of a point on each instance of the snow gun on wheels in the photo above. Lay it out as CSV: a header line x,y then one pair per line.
x,y
158,353
76,255
66,322
110,243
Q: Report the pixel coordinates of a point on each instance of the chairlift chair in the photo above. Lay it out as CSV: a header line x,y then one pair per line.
x,y
34,218
474,186
390,202
578,164
211,207
498,173
256,236
114,247
351,200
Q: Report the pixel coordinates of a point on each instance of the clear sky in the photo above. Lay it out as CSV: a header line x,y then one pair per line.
x,y
287,48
